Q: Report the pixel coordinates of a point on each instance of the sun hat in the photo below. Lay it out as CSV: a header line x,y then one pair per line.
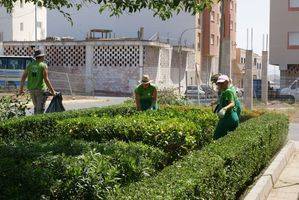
x,y
38,53
145,79
222,79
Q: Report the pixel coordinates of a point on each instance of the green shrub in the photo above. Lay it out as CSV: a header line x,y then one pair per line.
x,y
12,107
70,169
175,136
39,126
222,170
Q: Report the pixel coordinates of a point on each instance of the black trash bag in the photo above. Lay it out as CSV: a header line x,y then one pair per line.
x,y
56,104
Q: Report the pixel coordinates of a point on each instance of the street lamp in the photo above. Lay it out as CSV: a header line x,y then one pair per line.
x,y
180,53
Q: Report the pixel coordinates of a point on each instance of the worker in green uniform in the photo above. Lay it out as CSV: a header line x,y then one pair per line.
x,y
38,82
146,95
214,80
228,117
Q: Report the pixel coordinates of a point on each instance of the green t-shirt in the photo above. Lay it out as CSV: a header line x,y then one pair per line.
x,y
145,93
35,73
226,97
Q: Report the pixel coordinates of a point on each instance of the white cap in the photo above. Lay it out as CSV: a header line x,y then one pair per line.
x,y
222,79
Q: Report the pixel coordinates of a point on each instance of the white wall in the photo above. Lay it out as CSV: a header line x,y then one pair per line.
x,y
26,15
126,25
5,24
10,23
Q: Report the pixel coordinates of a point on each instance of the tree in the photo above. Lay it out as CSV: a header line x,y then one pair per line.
x,y
162,8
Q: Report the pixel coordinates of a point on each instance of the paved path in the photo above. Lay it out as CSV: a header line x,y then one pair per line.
x,y
287,186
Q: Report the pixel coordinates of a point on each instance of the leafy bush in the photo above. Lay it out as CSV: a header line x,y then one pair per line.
x,y
222,170
12,106
170,96
71,169
39,126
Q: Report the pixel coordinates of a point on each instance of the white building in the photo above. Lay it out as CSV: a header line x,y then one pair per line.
x,y
20,24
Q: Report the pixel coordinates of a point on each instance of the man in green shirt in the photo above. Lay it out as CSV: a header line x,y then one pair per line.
x,y
146,95
38,82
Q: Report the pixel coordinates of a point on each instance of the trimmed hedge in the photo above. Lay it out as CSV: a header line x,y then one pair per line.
x,y
222,170
40,126
175,136
72,169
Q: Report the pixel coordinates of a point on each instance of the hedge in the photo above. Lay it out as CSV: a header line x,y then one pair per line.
x,y
175,136
72,169
39,126
222,170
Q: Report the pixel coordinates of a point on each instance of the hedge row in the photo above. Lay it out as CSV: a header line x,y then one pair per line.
x,y
39,126
71,169
175,136
222,170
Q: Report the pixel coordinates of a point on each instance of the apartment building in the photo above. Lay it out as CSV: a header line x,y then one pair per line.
x,y
239,71
19,25
284,39
208,38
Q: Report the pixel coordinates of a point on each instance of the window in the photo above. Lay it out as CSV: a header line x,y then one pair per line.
x,y
212,40
255,61
293,5
39,24
22,26
213,16
293,40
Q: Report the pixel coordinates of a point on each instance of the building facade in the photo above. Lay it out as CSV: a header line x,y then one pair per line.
x,y
284,39
111,66
19,25
239,71
210,37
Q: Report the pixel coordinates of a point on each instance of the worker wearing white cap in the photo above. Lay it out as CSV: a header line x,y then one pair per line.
x,y
229,119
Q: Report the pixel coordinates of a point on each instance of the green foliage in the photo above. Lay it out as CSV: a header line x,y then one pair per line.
x,y
39,126
175,136
164,9
222,170
73,169
12,107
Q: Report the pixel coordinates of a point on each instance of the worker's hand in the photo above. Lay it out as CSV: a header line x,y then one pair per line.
x,y
221,113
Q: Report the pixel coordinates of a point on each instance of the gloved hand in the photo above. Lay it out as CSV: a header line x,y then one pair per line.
x,y
221,113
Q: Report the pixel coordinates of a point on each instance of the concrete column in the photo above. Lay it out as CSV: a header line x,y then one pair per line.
x,y
265,77
248,81
141,61
225,60
1,48
89,89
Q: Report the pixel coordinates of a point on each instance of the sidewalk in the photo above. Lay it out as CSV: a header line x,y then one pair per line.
x,y
287,186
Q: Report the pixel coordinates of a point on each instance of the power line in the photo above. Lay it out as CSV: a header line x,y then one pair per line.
x,y
31,12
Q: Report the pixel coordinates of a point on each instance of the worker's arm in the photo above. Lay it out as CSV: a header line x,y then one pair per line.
x,y
47,81
23,79
230,105
137,101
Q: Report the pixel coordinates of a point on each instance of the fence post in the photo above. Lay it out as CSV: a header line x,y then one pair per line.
x,y
89,89
265,77
248,81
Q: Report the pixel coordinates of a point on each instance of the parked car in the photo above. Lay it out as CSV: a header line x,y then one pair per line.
x,y
291,93
209,91
194,91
